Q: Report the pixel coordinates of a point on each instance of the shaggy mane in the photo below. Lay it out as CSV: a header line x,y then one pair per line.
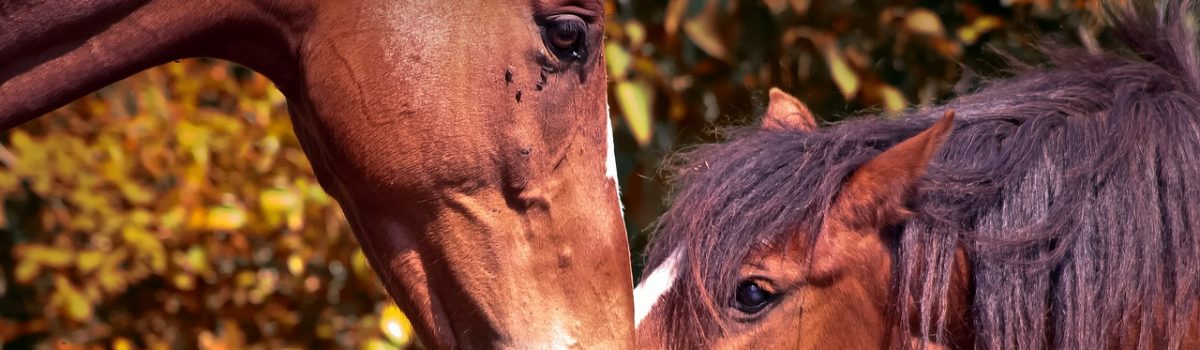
x,y
1074,186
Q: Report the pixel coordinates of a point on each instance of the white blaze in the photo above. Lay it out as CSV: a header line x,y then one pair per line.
x,y
653,287
611,166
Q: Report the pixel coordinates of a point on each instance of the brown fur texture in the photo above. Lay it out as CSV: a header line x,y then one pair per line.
x,y
488,217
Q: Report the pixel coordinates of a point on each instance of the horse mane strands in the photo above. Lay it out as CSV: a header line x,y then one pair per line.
x,y
1071,186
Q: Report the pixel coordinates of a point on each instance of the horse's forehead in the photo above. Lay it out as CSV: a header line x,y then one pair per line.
x,y
658,282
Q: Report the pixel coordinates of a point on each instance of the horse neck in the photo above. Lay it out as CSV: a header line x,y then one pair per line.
x,y
58,50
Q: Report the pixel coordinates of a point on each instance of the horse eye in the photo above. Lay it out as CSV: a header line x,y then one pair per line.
x,y
566,36
750,297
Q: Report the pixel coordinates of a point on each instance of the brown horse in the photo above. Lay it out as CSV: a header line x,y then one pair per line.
x,y
1059,209
467,141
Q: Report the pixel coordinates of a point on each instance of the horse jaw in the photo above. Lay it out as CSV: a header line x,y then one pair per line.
x,y
652,288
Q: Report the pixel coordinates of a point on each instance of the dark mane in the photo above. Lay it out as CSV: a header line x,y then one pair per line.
x,y
1074,186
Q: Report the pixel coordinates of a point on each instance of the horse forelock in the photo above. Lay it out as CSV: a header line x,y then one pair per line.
x,y
1069,185
732,199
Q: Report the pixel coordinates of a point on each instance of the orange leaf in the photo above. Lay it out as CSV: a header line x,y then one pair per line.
x,y
923,21
703,30
676,9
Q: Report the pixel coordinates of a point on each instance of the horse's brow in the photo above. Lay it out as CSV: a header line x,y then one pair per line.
x,y
652,288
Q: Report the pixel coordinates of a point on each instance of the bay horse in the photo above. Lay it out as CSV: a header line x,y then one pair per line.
x,y
1057,208
467,141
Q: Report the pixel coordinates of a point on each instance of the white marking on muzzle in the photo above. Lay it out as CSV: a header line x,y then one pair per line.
x,y
653,287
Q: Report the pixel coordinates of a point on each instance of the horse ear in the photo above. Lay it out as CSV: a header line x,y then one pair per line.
x,y
876,193
874,197
786,112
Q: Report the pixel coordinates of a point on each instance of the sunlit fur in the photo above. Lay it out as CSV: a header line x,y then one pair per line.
x,y
1070,192
470,155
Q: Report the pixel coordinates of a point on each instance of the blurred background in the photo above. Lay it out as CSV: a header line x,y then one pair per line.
x,y
175,210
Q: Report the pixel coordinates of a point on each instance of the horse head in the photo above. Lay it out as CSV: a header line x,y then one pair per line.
x,y
822,282
468,142
469,145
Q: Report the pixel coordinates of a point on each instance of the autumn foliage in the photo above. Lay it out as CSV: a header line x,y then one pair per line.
x,y
176,210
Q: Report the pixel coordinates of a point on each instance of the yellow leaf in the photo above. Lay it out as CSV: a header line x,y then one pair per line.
x,y
378,344
146,246
21,141
110,275
264,285
275,96
47,256
225,218
30,159
184,281
172,219
70,301
136,194
26,270
324,331
140,217
278,200
195,260
636,99
395,326
969,34
893,100
262,112
245,279
358,263
83,223
88,200
120,343
295,220
636,33
268,147
923,21
314,193
89,261
295,264
618,61
845,77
